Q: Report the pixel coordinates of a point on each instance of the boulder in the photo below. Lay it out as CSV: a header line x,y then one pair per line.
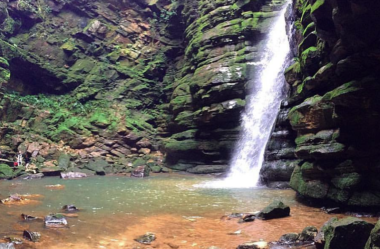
x,y
276,209
32,236
347,233
55,221
308,233
289,238
97,165
64,161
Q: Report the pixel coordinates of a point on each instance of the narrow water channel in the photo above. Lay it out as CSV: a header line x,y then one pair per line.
x,y
116,209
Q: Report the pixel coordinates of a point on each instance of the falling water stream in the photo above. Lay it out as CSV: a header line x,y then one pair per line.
x,y
261,110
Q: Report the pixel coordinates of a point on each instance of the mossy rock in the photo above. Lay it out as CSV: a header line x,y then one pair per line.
x,y
6,172
64,161
139,162
97,165
347,233
156,169
276,209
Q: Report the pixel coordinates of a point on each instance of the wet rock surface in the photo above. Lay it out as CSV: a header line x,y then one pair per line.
x,y
146,239
276,209
326,126
55,221
32,236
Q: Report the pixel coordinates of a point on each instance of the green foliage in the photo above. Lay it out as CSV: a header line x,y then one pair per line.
x,y
52,103
38,7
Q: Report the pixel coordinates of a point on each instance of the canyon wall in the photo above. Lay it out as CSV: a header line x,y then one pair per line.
x,y
105,86
334,103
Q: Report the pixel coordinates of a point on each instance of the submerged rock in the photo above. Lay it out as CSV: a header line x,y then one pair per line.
x,y
12,199
146,238
276,209
140,171
34,176
70,208
7,246
55,221
29,217
32,236
72,175
14,240
254,245
247,218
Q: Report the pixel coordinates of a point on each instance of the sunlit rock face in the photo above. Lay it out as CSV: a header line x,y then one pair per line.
x,y
333,103
223,52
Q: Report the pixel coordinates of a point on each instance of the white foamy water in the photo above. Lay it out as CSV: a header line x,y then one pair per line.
x,y
261,111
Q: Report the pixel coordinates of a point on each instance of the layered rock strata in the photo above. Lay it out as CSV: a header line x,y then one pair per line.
x,y
334,101
221,57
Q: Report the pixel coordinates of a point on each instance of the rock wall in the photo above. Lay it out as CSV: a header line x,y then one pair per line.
x,y
334,101
123,81
211,87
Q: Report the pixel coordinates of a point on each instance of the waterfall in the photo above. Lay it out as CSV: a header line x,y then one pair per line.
x,y
261,110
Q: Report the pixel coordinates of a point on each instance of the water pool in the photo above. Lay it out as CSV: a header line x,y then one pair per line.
x,y
116,209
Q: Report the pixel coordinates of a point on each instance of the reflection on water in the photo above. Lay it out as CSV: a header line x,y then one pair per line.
x,y
114,210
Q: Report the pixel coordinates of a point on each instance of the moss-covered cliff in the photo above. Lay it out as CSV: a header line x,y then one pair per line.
x,y
334,105
126,82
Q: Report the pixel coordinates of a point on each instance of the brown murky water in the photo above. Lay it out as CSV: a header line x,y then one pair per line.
x,y
115,210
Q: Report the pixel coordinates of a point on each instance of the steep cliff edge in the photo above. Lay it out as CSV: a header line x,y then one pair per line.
x,y
334,101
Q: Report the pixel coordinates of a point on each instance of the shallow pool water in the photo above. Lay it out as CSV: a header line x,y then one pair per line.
x,y
116,209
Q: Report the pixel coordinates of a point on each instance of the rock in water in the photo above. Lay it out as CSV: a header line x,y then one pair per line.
x,y
55,221
32,236
28,217
347,233
34,176
146,238
140,171
254,245
247,218
69,208
72,175
289,238
308,233
7,246
276,209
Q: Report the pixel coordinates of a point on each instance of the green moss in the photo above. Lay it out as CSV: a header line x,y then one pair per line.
x,y
69,46
100,119
184,145
6,171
